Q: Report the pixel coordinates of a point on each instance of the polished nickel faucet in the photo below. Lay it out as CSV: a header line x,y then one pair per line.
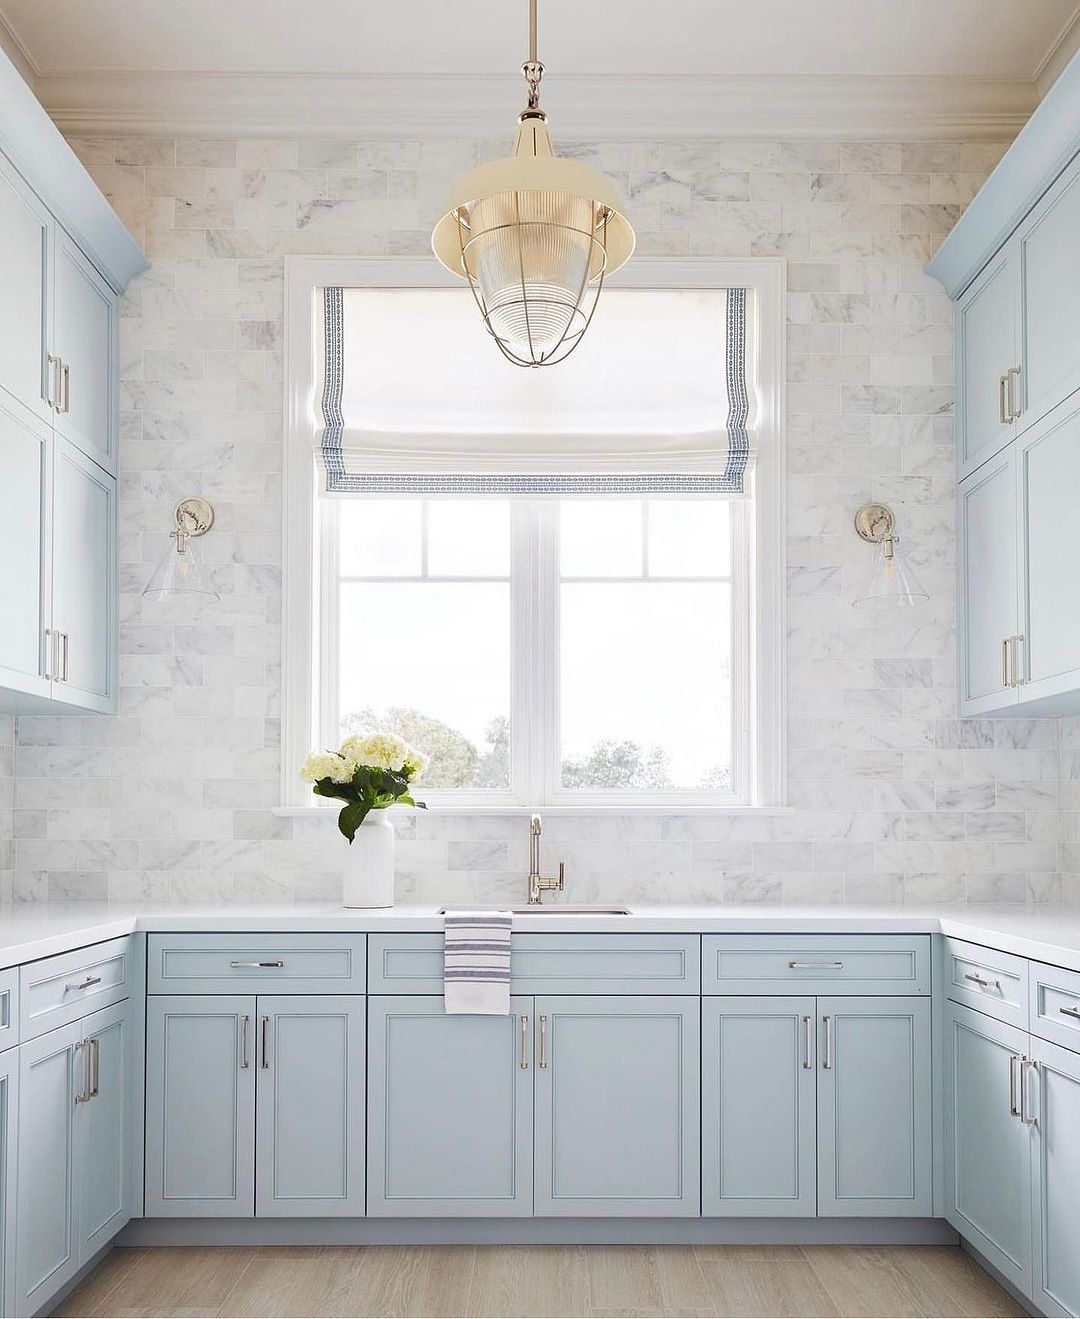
x,y
538,885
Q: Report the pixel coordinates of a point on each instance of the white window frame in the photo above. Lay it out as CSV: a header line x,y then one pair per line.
x,y
310,569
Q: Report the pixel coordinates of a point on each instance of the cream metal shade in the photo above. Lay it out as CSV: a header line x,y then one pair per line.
x,y
535,236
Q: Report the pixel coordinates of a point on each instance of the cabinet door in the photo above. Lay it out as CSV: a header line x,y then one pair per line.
x,y
874,1108
986,347
987,1148
1055,1106
618,1106
309,1112
1049,481
85,342
200,1107
25,238
52,1070
9,1143
84,580
1048,247
758,1100
25,445
450,1118
987,585
104,1199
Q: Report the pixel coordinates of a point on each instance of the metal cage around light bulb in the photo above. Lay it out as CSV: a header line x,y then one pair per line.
x,y
535,236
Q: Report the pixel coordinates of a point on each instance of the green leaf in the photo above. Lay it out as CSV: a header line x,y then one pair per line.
x,y
351,818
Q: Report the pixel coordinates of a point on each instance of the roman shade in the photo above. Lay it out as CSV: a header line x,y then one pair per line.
x,y
658,403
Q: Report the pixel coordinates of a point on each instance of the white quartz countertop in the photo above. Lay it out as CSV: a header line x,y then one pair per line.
x,y
32,931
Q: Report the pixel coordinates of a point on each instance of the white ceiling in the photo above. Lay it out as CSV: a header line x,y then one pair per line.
x,y
697,38
616,68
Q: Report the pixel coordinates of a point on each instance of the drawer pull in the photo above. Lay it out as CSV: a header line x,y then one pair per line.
x,y
524,1063
256,966
83,984
1073,1012
982,981
815,966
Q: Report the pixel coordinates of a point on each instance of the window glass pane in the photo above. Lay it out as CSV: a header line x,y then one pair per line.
x,y
600,537
431,661
380,537
468,538
646,686
689,538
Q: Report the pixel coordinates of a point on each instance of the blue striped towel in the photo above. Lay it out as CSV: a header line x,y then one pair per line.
x,y
476,973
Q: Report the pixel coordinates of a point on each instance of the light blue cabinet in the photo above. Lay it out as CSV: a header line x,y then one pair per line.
x,y
987,1145
104,1131
9,1134
52,1072
450,1123
1052,1106
874,1108
309,1106
200,1106
758,1097
617,1105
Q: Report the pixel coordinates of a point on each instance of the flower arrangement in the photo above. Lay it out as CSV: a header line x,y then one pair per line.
x,y
368,773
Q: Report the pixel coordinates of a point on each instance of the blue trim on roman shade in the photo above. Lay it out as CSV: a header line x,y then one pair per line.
x,y
340,481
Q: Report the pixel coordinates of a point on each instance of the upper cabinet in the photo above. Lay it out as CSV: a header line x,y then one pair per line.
x,y
65,259
1013,265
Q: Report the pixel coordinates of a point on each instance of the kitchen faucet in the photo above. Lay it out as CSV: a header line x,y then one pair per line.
x,y
538,885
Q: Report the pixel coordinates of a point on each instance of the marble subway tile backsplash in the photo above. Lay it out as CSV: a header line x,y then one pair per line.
x,y
893,800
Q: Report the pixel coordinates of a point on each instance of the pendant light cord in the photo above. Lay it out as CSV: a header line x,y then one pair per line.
x,y
532,32
532,68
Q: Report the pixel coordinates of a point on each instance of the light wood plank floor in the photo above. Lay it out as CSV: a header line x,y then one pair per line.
x,y
594,1281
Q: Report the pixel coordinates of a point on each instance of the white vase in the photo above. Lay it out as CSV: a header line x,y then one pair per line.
x,y
369,864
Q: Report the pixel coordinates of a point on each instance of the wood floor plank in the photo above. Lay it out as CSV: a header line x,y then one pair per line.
x,y
947,1281
187,1278
624,1279
528,1282
862,1281
750,1283
91,1294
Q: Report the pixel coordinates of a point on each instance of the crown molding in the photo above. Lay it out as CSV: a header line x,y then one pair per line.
x,y
592,108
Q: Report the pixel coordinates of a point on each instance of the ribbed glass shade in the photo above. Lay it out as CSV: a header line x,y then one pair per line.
x,y
180,572
536,262
892,583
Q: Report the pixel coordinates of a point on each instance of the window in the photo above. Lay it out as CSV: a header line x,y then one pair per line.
x,y
544,652
606,649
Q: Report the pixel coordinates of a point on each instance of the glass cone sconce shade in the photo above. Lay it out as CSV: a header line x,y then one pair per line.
x,y
892,584
181,570
535,236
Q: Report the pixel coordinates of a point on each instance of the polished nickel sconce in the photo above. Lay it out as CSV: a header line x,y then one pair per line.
x,y
181,570
892,583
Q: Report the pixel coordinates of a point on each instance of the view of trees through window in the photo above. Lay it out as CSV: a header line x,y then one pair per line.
x,y
433,642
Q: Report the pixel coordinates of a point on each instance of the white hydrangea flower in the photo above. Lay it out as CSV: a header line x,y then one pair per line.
x,y
381,751
326,765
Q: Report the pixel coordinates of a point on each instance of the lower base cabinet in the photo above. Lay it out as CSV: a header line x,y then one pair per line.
x,y
583,1105
816,1106
9,1135
1054,1102
74,1120
255,1105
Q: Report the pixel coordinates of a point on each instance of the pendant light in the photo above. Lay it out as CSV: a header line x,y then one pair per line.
x,y
535,236
892,584
181,570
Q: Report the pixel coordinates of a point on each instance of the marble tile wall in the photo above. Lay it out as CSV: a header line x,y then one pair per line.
x,y
894,801
7,805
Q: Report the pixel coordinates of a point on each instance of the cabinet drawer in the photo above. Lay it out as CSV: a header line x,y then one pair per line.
x,y
549,963
988,981
1054,1004
816,964
9,1008
256,963
57,990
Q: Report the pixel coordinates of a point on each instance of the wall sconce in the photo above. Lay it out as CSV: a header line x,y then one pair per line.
x,y
892,583
181,570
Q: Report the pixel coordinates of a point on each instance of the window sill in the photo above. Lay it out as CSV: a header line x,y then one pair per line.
x,y
461,808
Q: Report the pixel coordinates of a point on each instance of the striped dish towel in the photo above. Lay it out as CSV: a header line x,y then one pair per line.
x,y
476,972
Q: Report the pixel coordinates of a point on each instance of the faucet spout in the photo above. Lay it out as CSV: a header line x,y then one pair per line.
x,y
538,885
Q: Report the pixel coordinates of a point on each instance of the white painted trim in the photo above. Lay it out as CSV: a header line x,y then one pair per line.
x,y
651,807
765,277
1058,54
596,107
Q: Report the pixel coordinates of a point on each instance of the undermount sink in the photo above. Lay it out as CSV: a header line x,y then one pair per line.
x,y
556,909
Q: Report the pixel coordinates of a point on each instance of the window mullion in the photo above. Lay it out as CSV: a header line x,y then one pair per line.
x,y
523,625
328,687
546,757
